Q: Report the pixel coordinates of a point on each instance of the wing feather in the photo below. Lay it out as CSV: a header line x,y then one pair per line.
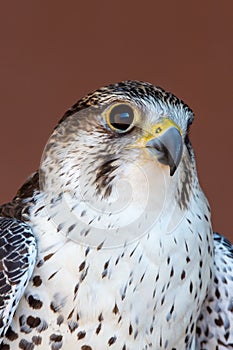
x,y
215,324
17,261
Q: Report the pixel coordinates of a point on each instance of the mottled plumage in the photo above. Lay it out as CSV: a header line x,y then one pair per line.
x,y
18,257
109,244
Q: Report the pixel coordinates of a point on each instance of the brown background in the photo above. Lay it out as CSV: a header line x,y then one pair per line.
x,y
54,52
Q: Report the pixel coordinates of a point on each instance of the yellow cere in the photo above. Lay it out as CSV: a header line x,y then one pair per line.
x,y
155,131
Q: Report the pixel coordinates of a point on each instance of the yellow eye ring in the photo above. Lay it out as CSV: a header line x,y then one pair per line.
x,y
120,117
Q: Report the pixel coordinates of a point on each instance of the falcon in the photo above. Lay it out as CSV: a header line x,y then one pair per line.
x,y
109,244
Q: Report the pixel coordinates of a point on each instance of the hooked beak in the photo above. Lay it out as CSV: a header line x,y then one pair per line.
x,y
167,145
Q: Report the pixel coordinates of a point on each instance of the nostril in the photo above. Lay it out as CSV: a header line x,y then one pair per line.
x,y
158,130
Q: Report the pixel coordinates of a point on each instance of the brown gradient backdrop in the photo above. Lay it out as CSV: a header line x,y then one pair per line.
x,y
54,52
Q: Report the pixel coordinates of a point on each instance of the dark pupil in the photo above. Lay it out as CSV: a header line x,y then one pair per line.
x,y
121,117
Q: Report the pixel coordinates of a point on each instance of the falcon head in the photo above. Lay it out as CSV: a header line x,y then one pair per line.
x,y
130,133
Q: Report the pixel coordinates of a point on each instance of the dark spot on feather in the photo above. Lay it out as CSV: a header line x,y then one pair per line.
x,y
33,322
82,265
40,263
217,294
11,335
53,274
172,272
198,331
219,321
87,251
47,257
104,273
182,275
34,303
26,345
39,209
55,337
60,227
162,300
71,314
112,340
115,310
84,274
60,320
76,288
98,328
191,287
37,281
81,334
71,227
100,317
72,326
53,307
37,340
100,246
186,340
56,340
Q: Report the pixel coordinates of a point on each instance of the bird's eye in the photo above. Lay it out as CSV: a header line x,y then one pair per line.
x,y
120,117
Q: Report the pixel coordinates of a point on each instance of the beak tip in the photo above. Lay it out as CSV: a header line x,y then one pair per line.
x,y
172,170
169,148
